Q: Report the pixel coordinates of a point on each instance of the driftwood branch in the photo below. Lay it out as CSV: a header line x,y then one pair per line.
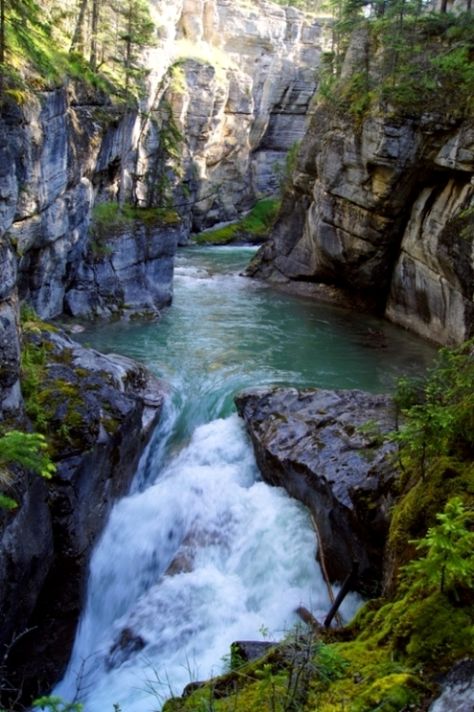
x,y
308,618
345,588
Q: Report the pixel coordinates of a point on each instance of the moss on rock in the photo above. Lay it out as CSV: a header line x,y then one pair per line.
x,y
254,227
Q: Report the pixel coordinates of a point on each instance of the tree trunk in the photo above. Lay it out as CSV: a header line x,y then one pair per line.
x,y
128,46
94,31
2,46
79,41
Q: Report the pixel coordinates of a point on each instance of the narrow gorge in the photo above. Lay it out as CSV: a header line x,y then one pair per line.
x,y
166,526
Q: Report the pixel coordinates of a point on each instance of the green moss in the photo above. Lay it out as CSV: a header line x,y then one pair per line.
x,y
254,226
423,630
110,424
219,236
370,671
391,693
31,322
417,509
151,216
56,407
109,217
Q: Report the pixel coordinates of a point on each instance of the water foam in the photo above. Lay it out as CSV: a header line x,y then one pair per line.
x,y
206,555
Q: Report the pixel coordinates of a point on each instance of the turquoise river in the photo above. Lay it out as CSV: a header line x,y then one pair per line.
x,y
202,552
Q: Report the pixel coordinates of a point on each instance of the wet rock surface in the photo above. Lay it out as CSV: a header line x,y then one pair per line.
x,y
127,644
326,449
101,411
10,397
457,689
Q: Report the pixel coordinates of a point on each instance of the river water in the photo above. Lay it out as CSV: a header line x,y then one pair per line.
x,y
202,552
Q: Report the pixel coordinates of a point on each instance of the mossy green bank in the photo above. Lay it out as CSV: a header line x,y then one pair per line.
x,y
254,227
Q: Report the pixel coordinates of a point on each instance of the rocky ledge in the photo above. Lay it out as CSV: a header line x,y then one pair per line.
x,y
382,212
327,449
98,412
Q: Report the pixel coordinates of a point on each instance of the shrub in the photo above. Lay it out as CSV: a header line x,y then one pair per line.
x,y
449,560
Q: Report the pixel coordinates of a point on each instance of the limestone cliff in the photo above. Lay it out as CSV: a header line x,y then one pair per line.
x,y
227,92
380,206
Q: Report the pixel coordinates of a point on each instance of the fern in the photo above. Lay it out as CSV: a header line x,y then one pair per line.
x,y
28,450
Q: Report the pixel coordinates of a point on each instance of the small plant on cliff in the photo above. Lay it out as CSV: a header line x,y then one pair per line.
x,y
284,170
28,450
449,546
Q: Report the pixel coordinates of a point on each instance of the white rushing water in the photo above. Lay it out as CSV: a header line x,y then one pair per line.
x,y
208,554
202,552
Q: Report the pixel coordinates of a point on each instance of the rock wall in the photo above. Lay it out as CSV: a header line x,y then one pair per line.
x,y
98,431
62,157
238,82
383,209
10,395
227,94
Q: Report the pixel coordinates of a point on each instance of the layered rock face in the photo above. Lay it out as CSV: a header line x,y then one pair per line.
x,y
384,210
326,449
62,157
228,91
10,396
101,411
129,273
245,98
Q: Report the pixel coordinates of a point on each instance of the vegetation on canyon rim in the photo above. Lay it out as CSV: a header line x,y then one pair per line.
x,y
43,44
413,61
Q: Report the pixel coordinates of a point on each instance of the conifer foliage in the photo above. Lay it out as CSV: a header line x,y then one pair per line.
x,y
449,559
97,41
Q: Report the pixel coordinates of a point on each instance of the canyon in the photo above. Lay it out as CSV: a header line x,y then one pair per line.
x,y
96,197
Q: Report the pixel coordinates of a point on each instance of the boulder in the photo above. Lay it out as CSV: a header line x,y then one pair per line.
x,y
328,450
